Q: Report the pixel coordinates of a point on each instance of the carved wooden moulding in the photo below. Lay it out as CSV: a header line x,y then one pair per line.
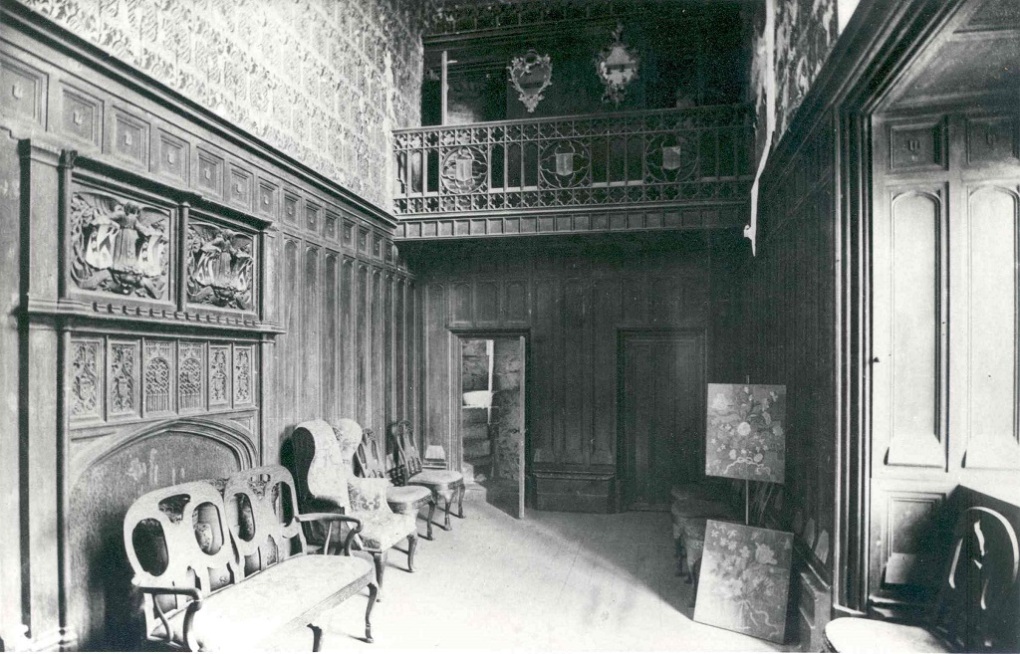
x,y
119,245
220,266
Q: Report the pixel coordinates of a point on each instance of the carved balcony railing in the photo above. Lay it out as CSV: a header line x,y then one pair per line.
x,y
666,157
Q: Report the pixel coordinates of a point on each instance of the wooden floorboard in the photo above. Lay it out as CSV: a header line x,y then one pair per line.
x,y
553,581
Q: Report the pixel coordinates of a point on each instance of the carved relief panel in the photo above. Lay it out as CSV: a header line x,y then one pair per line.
x,y
119,245
156,253
114,379
86,382
220,266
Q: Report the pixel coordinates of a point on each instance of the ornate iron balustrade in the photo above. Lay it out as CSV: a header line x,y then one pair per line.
x,y
673,156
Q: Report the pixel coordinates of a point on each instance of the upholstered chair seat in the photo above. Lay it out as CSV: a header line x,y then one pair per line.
x,y
864,635
431,477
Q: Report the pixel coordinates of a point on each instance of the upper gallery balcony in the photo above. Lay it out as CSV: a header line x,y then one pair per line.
x,y
660,169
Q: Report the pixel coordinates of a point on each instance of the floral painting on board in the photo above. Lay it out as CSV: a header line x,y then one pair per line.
x,y
746,432
745,579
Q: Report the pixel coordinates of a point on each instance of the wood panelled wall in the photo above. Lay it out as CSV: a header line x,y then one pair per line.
x,y
572,298
349,349
113,391
788,337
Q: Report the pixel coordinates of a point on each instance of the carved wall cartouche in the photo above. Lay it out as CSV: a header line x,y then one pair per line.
x,y
220,266
119,246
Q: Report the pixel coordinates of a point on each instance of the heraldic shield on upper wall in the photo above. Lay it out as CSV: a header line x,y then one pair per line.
x,y
746,432
119,246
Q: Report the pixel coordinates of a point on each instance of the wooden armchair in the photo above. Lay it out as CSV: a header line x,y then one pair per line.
x,y
447,484
977,608
324,458
406,500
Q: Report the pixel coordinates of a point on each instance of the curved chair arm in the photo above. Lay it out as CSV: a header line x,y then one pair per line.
x,y
189,615
354,530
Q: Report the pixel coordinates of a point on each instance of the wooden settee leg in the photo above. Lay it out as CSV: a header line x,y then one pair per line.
x,y
460,502
373,597
412,545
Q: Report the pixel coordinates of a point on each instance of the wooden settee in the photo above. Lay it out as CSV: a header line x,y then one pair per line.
x,y
224,565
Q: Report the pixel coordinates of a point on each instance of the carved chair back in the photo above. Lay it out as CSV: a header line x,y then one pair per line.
x,y
978,601
261,505
178,536
369,462
408,458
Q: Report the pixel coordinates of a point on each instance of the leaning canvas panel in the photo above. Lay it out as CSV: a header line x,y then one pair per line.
x,y
746,432
745,579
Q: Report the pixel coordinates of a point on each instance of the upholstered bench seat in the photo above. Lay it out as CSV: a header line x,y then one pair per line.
x,y
863,635
244,615
224,565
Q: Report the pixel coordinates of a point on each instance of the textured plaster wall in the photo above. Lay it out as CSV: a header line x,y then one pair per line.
x,y
322,80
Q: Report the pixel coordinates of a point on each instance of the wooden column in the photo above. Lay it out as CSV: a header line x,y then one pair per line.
x,y
40,425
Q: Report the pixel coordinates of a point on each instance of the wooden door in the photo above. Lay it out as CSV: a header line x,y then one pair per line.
x,y
946,251
662,392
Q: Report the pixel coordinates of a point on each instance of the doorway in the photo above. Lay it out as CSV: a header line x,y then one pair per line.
x,y
661,382
491,420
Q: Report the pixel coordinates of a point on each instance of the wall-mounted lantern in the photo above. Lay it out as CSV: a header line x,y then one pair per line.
x,y
530,75
617,66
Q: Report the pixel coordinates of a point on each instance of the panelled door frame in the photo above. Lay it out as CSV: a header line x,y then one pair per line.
x,y
700,336
456,384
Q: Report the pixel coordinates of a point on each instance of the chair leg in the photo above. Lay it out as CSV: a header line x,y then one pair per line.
x,y
694,593
448,496
316,637
678,552
380,565
373,597
432,512
460,502
412,545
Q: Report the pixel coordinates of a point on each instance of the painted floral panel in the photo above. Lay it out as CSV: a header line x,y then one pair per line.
x,y
745,579
746,432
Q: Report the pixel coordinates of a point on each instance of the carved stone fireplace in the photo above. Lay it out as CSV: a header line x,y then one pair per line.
x,y
101,606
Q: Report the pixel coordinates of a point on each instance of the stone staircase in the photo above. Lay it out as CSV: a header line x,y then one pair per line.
x,y
474,430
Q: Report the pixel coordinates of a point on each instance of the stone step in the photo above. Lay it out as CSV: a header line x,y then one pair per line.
x,y
474,416
477,448
474,433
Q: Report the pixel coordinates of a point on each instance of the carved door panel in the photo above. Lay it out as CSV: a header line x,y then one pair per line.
x,y
662,392
945,364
